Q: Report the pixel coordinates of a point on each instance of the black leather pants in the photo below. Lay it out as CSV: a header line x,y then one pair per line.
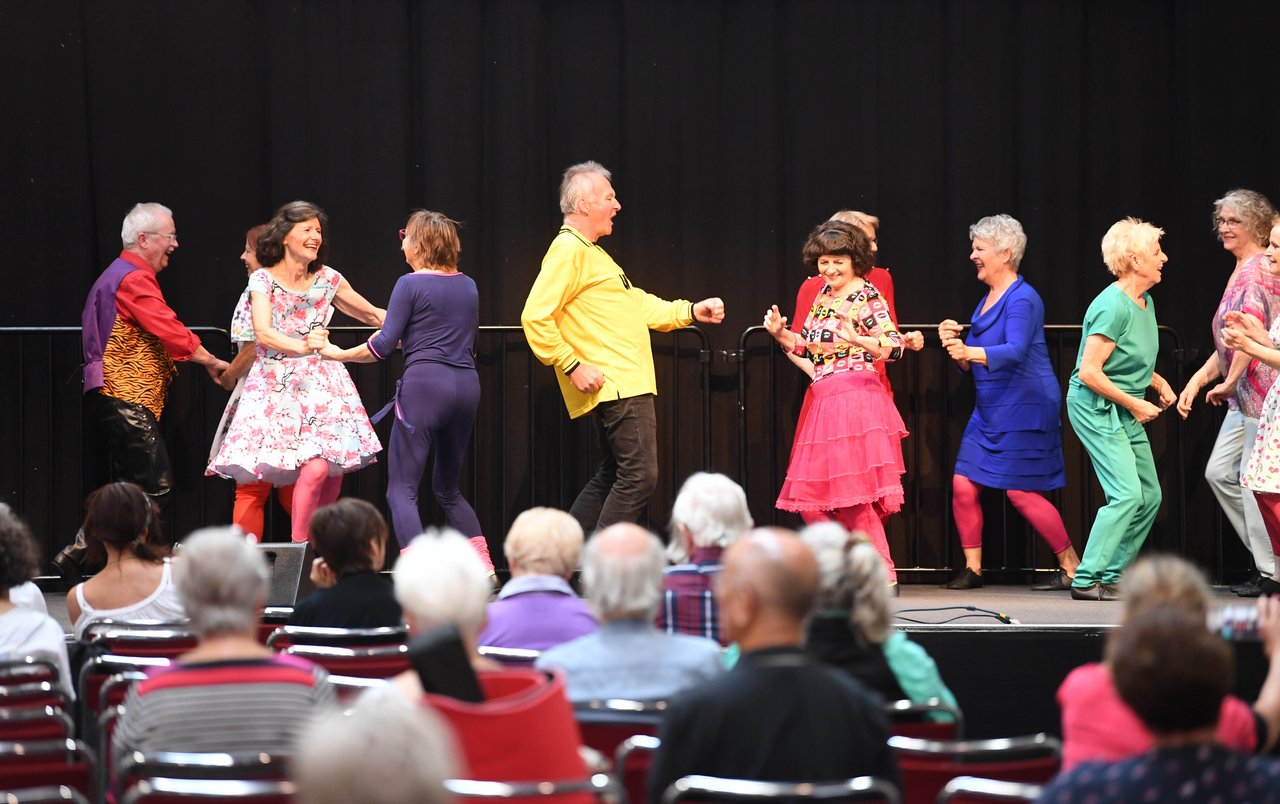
x,y
132,439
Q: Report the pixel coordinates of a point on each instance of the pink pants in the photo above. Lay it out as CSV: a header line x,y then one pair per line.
x,y
1033,506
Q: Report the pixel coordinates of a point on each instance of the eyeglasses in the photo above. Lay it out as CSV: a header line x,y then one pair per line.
x,y
171,235
1228,223
402,234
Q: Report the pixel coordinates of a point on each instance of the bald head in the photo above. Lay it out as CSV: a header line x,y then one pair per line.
x,y
768,584
622,572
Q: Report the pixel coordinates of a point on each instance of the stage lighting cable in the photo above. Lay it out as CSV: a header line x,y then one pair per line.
x,y
974,611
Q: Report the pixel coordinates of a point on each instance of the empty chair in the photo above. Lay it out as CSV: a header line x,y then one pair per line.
x,y
927,765
714,788
973,790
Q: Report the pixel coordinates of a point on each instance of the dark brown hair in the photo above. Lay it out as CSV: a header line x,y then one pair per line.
x,y
19,555
123,516
433,239
270,243
344,533
838,238
1171,671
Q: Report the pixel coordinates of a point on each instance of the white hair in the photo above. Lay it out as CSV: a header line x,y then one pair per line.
x,y
872,612
576,182
713,509
1003,232
221,580
544,541
829,542
440,579
623,584
142,218
384,750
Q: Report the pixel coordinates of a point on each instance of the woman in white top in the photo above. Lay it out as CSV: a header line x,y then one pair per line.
x,y
123,522
24,632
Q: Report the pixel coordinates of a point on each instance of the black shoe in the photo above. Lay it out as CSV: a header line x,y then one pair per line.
x,y
1248,587
70,561
1269,587
1091,592
965,580
1109,591
1059,581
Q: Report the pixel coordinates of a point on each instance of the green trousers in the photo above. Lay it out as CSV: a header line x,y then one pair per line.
x,y
1121,454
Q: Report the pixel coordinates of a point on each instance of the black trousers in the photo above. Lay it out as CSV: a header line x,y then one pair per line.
x,y
131,436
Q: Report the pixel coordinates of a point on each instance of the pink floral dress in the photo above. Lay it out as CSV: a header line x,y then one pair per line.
x,y
294,408
1263,471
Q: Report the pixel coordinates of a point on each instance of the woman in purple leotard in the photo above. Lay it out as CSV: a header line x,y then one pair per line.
x,y
433,315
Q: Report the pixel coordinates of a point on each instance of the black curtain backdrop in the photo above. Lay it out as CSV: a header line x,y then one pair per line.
x,y
731,127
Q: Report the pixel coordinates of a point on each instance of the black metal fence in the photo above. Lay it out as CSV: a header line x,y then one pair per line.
x,y
729,411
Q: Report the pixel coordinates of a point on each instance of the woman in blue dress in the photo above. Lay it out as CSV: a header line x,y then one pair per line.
x,y
1014,438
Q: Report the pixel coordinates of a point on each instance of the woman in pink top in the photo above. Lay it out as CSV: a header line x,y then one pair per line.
x,y
1098,725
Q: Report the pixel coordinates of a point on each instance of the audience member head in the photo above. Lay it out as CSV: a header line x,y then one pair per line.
x,y
250,255
868,223
270,247
766,588
221,581
1002,233
1127,243
1243,214
431,241
710,511
19,555
852,579
543,541
121,518
439,580
385,749
622,573
836,238
350,535
1161,579
1171,671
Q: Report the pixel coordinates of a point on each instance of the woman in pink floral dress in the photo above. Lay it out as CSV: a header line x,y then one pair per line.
x,y
300,419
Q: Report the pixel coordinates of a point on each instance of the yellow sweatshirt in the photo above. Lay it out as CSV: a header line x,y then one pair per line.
x,y
583,309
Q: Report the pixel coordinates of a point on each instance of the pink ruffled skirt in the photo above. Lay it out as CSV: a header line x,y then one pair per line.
x,y
849,448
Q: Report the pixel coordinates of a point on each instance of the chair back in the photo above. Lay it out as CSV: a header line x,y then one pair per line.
x,y
933,719
49,763
347,688
95,672
162,790
27,670
171,776
606,724
714,788
524,729
50,794
26,723
378,661
34,694
139,638
927,765
287,635
273,617
603,786
510,657
972,790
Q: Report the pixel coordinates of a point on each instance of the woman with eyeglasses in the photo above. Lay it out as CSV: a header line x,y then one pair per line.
x,y
432,317
1242,220
846,464
300,419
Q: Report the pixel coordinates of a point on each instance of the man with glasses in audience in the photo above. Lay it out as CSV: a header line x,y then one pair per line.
x,y
132,341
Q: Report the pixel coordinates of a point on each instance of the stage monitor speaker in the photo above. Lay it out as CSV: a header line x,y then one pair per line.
x,y
286,560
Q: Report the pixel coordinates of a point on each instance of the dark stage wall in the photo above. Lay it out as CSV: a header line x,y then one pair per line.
x,y
731,127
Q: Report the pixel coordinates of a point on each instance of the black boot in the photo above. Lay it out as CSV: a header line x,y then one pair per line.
x,y
71,562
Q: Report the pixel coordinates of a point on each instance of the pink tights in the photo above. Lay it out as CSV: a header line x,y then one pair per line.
x,y
864,518
1033,506
313,489
1269,504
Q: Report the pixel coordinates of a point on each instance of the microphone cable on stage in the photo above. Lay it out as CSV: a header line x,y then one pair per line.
x,y
974,612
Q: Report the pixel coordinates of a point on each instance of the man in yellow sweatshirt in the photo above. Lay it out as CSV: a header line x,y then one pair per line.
x,y
584,318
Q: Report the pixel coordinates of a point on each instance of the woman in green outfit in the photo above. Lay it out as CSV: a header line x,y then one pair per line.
x,y
1107,406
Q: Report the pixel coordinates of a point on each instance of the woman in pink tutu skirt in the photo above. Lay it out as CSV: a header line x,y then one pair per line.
x,y
847,461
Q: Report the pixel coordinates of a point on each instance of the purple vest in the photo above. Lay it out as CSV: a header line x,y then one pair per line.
x,y
98,318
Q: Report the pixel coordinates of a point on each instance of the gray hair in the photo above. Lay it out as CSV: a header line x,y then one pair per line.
x,y
440,579
574,185
544,541
622,584
829,542
142,218
713,509
221,580
384,750
872,612
1003,232
1254,209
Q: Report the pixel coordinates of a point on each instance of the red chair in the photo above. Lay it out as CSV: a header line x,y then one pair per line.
x,y
908,719
95,672
972,790
49,763
28,670
60,794
139,638
603,786
524,730
379,661
287,635
34,694
927,765
273,618
27,723
161,778
606,724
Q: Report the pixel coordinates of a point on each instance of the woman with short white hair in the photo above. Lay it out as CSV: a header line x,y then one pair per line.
x,y
1107,406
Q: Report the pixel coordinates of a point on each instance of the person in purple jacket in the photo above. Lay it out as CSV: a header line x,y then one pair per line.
x,y
433,316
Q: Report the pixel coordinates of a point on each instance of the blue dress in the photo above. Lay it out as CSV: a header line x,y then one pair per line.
x,y
1014,437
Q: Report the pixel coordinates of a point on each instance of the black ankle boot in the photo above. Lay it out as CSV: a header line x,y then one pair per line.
x,y
71,562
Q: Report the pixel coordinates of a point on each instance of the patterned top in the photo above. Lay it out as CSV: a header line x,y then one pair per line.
x,y
688,601
1252,290
136,368
242,320
824,345
1193,773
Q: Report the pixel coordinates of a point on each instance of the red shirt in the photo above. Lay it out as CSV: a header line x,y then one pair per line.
x,y
140,303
